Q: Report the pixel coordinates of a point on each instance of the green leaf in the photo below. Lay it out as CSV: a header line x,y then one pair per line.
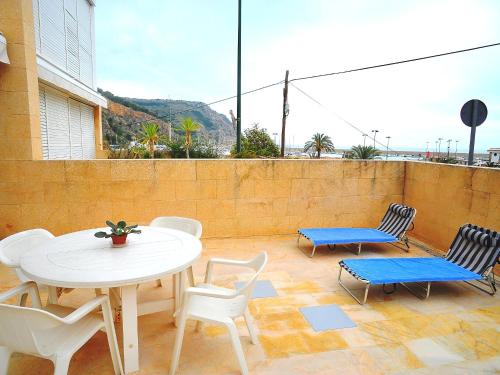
x,y
101,234
110,224
133,226
121,224
135,231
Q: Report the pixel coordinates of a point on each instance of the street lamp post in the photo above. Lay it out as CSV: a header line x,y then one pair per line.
x,y
436,149
364,139
456,147
439,147
387,148
238,88
448,155
374,131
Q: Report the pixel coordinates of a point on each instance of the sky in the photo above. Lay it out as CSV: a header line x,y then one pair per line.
x,y
187,50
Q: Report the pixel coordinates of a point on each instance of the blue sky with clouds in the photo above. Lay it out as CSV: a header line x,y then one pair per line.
x,y
187,50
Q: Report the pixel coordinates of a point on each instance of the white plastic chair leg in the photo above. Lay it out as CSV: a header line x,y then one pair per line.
x,y
61,365
52,297
176,353
250,327
5,354
235,338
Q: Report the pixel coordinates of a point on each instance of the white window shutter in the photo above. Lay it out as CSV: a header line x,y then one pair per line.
x,y
52,32
43,124
58,125
75,125
88,137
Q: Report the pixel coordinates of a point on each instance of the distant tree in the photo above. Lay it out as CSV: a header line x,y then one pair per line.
x,y
188,126
150,136
363,152
318,143
256,142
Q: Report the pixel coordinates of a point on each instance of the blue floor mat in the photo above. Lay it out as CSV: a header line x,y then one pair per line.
x,y
263,289
326,317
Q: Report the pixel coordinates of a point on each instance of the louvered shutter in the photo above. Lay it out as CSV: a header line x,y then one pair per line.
x,y
85,16
52,31
43,124
58,125
75,125
88,137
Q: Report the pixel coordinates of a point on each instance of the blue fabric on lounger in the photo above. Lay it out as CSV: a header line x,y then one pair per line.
x,y
407,270
396,221
332,236
472,255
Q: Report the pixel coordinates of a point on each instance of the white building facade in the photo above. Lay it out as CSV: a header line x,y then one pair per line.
x,y
70,106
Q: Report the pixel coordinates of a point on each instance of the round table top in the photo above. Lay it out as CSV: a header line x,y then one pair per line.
x,y
81,260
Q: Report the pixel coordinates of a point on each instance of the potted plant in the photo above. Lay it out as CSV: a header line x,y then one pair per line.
x,y
119,232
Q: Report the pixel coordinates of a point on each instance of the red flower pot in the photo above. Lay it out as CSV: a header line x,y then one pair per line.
x,y
119,240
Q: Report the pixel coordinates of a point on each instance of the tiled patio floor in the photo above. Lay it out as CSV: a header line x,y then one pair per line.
x,y
456,331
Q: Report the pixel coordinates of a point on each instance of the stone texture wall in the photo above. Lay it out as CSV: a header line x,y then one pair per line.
x,y
447,196
230,197
19,107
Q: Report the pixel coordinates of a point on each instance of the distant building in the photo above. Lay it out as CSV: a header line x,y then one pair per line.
x,y
494,155
50,94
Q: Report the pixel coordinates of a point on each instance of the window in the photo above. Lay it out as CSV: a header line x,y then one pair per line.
x,y
67,126
63,31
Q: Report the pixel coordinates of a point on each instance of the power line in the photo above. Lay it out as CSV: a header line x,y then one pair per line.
x,y
394,63
324,75
338,116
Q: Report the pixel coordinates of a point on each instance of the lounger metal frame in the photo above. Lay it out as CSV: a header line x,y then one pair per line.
x,y
423,289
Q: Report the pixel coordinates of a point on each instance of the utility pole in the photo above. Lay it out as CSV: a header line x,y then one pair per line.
x,y
439,147
233,119
456,147
375,131
238,89
285,114
387,148
448,156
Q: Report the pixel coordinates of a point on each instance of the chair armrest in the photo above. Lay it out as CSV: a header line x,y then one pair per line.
x,y
228,262
197,291
28,286
86,309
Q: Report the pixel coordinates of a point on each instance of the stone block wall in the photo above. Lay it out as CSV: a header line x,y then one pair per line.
x,y
230,197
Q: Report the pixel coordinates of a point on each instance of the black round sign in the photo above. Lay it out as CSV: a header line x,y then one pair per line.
x,y
467,112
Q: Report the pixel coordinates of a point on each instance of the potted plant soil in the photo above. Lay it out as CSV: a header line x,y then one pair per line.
x,y
119,232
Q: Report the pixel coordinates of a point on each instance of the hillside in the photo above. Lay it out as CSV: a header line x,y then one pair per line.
x,y
122,118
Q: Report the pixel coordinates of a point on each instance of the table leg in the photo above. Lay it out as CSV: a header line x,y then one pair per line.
x,y
129,326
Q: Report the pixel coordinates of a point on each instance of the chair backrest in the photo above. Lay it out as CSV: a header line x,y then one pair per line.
x,y
475,248
245,291
12,247
397,219
28,330
184,224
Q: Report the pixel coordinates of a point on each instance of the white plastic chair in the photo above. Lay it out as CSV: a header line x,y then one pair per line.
x,y
14,246
54,332
184,224
216,305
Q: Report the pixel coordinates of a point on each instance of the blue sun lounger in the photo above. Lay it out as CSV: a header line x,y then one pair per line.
x,y
473,254
396,221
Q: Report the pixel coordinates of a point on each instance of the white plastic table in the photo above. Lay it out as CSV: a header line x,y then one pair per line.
x,y
80,260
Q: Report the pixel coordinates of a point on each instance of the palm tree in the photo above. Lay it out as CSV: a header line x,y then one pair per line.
x,y
149,137
188,126
318,143
364,152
